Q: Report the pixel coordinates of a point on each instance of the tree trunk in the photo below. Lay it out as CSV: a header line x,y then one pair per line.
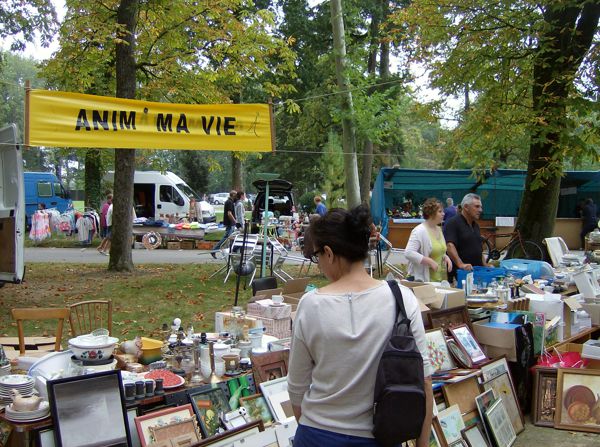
x,y
237,176
348,128
93,179
567,38
120,250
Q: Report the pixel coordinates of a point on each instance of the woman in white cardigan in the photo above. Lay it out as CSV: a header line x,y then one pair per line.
x,y
426,247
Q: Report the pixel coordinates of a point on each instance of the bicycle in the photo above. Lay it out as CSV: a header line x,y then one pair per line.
x,y
517,247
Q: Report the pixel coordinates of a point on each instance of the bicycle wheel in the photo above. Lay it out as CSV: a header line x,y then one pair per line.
x,y
526,250
489,251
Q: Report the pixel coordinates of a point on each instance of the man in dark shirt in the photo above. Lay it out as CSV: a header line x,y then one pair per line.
x,y
228,220
463,238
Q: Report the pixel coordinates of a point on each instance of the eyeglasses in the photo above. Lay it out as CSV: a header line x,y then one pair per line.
x,y
315,256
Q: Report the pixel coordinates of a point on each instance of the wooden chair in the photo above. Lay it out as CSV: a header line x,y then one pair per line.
x,y
39,313
86,316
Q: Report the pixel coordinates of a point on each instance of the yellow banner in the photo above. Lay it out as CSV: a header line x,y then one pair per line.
x,y
62,119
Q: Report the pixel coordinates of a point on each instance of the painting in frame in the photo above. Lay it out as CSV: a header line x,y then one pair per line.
x,y
210,403
503,388
79,424
439,356
451,423
270,366
544,396
462,393
436,437
446,318
257,408
467,342
500,425
494,368
577,400
161,417
474,436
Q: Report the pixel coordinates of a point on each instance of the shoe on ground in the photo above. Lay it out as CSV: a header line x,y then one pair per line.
x,y
212,253
105,253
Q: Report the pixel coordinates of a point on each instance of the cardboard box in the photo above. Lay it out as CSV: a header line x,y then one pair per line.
x,y
553,305
594,310
187,245
223,319
497,339
436,297
204,245
174,245
293,290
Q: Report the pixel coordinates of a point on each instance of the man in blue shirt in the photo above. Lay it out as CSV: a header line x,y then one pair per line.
x,y
321,209
450,210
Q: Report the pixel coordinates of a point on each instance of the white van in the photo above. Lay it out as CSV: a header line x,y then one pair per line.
x,y
157,194
12,207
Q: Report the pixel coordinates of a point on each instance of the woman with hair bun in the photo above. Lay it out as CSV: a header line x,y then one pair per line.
x,y
426,247
339,333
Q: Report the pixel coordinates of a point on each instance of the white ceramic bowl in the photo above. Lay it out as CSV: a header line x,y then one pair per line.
x,y
89,347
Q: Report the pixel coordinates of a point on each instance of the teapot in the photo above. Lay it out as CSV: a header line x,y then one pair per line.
x,y
21,403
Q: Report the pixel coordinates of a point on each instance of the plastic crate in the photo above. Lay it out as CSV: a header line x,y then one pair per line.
x,y
481,275
523,267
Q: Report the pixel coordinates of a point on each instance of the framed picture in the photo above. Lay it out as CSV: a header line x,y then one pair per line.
x,y
133,434
494,369
232,437
89,410
270,366
436,437
500,426
484,401
451,423
463,394
461,357
210,404
459,443
544,396
162,417
576,400
474,437
257,408
446,318
45,438
186,432
278,399
503,388
464,338
440,357
267,438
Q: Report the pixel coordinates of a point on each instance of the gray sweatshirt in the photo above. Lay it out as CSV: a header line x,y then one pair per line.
x,y
336,346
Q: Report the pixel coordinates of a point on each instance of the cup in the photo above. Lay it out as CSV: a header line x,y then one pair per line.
x,y
256,340
140,389
149,388
158,387
129,391
232,362
277,299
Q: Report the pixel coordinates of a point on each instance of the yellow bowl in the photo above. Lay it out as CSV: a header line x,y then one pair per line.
x,y
151,350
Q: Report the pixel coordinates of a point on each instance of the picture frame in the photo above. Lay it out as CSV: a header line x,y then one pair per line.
x,y
77,423
484,401
462,393
285,433
494,368
500,425
257,408
436,437
235,418
161,417
278,399
460,356
231,437
270,365
467,342
504,389
267,438
186,430
459,443
446,318
210,403
544,396
451,423
132,413
474,436
439,356
576,396
46,438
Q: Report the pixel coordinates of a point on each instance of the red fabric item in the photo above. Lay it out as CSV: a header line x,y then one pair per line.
x,y
563,360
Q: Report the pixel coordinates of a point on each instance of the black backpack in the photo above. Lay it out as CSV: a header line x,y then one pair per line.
x,y
399,403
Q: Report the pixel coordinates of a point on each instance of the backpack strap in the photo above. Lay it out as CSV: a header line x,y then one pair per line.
x,y
399,301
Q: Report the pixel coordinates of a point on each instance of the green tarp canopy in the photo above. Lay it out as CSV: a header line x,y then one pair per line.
x,y
501,190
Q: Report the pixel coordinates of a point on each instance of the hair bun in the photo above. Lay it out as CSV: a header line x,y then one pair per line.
x,y
360,218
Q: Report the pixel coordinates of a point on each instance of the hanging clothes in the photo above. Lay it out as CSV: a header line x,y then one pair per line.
x,y
40,226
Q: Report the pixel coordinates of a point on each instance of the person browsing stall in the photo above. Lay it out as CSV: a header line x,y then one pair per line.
x,y
463,236
228,220
321,209
339,334
240,210
426,247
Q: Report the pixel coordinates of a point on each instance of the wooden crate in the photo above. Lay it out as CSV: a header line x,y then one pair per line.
x,y
174,245
204,245
187,245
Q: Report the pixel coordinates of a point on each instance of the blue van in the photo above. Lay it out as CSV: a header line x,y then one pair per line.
x,y
44,187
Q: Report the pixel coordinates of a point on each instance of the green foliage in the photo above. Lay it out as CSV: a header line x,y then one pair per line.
x,y
23,21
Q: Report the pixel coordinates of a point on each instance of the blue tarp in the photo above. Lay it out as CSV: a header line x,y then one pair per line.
x,y
501,191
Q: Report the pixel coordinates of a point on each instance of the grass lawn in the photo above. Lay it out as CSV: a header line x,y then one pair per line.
x,y
142,301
